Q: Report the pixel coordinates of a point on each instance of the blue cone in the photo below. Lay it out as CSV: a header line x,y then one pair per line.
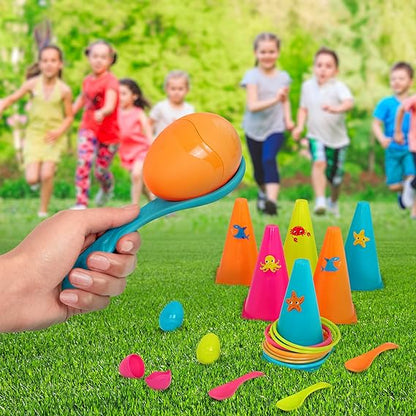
x,y
299,321
360,251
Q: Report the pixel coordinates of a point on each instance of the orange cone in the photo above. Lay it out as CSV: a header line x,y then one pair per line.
x,y
240,250
300,238
332,284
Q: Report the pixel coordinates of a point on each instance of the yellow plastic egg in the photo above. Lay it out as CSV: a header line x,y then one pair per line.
x,y
193,156
208,350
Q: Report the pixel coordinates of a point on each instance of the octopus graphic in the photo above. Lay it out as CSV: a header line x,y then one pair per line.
x,y
270,263
298,231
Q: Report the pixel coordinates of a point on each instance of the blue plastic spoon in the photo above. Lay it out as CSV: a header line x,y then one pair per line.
x,y
151,211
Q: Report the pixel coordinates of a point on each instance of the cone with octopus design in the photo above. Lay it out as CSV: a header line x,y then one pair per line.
x,y
300,338
270,279
300,238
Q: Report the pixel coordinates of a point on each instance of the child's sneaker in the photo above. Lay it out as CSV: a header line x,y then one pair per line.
x,y
78,207
320,206
400,201
103,197
333,208
261,201
35,187
408,195
42,214
270,208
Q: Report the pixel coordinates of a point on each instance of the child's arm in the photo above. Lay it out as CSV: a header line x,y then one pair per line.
x,y
110,102
254,104
301,120
377,127
288,115
12,98
345,106
398,134
78,104
52,135
147,128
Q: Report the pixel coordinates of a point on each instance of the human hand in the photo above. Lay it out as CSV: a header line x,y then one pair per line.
x,y
399,137
52,136
296,132
330,108
282,94
385,142
31,275
290,125
98,116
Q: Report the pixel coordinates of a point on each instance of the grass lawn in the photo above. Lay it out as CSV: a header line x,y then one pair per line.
x,y
72,368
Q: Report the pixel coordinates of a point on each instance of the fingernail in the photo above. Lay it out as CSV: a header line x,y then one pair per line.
x,y
68,297
79,278
127,246
98,261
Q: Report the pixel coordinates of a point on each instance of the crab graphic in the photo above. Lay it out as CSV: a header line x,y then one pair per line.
x,y
270,263
298,231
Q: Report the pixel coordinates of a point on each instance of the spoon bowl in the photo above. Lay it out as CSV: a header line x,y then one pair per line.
x,y
296,400
151,211
363,361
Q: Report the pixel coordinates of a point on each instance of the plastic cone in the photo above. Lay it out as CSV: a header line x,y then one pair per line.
x,y
332,284
300,238
270,279
299,320
240,250
361,252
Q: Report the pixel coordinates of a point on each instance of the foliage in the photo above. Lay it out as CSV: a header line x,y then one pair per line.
x,y
212,40
72,368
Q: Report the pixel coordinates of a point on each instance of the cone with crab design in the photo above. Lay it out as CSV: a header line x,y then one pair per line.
x,y
240,249
300,238
270,279
332,284
361,252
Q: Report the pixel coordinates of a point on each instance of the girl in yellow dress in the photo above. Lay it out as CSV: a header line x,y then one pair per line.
x,y
50,115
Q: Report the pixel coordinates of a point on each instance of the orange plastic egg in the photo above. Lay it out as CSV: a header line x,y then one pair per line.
x,y
193,156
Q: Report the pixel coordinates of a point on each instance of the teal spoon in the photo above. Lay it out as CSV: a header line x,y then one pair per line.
x,y
151,211
296,400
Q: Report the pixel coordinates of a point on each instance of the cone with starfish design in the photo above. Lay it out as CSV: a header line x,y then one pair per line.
x,y
300,238
361,252
270,279
331,280
240,250
299,320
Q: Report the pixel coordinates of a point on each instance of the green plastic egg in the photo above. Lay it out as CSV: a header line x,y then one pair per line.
x,y
208,350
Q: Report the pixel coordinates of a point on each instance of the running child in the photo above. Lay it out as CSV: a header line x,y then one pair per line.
x,y
398,160
99,133
50,115
165,112
135,133
266,118
323,104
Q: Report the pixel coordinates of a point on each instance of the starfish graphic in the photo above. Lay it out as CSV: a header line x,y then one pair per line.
x,y
360,238
294,302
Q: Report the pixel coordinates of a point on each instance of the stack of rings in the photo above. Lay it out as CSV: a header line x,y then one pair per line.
x,y
279,350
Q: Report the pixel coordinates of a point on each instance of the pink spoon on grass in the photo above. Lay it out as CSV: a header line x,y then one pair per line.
x,y
228,389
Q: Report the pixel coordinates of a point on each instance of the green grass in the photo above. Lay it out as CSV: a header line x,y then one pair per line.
x,y
72,368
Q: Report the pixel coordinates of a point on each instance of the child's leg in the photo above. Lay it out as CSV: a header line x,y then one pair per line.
x,y
105,155
136,181
47,174
394,168
335,170
318,177
86,150
32,173
271,147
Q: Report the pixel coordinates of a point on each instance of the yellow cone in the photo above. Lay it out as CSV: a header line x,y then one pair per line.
x,y
300,238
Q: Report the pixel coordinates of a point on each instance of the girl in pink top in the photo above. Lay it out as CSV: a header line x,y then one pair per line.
x,y
98,137
135,134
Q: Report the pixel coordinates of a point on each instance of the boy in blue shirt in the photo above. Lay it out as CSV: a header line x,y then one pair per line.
x,y
398,159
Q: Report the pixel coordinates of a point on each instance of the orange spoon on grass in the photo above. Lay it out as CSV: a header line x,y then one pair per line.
x,y
363,361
